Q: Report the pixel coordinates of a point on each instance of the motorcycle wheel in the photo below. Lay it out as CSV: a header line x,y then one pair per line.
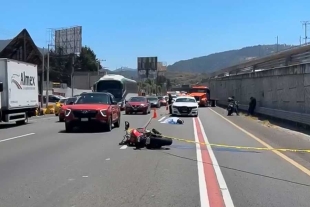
x,y
158,142
229,112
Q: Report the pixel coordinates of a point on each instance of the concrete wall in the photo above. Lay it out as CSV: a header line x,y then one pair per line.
x,y
283,89
66,92
85,80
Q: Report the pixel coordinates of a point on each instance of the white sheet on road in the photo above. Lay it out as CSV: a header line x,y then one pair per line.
x,y
172,120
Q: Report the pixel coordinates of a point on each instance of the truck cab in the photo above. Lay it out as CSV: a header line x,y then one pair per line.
x,y
201,94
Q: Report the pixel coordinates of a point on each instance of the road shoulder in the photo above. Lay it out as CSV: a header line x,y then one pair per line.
x,y
275,136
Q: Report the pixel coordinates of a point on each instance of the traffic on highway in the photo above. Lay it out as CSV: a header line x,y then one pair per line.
x,y
119,146
43,165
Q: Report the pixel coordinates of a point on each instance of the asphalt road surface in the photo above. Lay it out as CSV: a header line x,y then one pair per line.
x,y
41,165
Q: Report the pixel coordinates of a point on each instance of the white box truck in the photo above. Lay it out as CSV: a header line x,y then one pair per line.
x,y
18,90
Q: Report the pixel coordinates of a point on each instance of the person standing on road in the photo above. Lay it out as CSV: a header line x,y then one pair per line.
x,y
252,106
170,103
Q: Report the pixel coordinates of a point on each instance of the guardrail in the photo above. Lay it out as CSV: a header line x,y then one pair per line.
x,y
296,55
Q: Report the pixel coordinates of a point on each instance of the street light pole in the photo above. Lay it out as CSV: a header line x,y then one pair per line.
x,y
98,69
42,81
98,64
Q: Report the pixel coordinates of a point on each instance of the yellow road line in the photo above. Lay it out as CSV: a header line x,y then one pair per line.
x,y
286,158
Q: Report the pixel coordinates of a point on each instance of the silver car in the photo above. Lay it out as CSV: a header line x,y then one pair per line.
x,y
154,101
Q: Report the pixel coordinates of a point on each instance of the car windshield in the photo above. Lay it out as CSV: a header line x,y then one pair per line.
x,y
93,99
160,98
111,86
185,100
152,98
70,100
137,99
62,100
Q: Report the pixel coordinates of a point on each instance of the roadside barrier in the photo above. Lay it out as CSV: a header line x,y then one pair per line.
x,y
42,111
50,109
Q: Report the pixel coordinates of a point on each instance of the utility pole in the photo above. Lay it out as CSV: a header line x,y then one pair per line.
x,y
277,43
42,81
72,74
98,65
48,75
98,69
305,24
157,72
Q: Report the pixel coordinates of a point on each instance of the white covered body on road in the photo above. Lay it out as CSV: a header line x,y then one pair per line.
x,y
185,106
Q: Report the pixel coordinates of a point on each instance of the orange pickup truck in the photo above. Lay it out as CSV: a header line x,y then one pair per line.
x,y
202,95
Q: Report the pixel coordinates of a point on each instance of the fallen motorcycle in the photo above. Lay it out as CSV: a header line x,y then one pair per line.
x,y
140,138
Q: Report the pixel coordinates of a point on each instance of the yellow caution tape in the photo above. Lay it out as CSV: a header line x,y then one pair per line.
x,y
241,147
238,147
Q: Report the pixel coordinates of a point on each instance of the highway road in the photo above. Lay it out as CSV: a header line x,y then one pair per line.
x,y
41,165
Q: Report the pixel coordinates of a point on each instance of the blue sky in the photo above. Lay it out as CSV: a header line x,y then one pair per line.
x,y
120,31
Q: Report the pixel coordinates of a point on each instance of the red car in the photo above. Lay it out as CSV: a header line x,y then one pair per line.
x,y
162,101
95,109
62,110
137,104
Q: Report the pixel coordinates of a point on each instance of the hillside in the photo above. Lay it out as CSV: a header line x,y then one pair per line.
x,y
193,70
216,61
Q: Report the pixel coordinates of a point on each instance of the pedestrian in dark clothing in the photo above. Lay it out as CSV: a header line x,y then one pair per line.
x,y
170,103
252,106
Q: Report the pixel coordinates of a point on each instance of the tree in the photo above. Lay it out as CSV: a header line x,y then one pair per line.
x,y
61,65
87,60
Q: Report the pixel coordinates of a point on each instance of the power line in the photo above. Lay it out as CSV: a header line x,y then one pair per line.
x,y
305,24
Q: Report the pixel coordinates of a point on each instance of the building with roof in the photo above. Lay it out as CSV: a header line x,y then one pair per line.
x,y
23,48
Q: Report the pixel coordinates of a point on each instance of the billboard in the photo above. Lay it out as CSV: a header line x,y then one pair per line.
x,y
147,67
68,41
161,68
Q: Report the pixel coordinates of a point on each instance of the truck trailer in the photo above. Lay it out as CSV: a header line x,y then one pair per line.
x,y
18,91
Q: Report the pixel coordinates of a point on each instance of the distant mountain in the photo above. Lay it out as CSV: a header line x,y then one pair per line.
x,y
125,69
217,61
126,72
